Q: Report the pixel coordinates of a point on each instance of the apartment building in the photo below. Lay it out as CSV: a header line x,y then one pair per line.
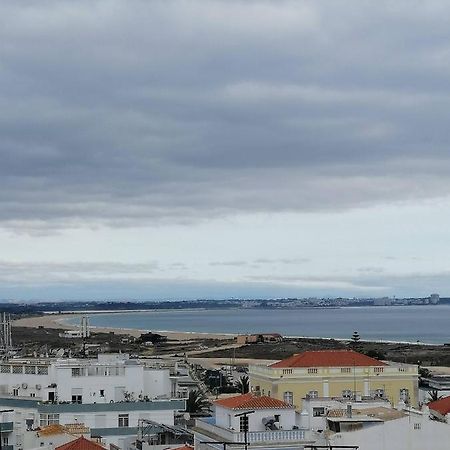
x,y
109,378
111,423
337,374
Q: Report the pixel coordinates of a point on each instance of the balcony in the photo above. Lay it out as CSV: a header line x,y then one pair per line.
x,y
203,426
7,427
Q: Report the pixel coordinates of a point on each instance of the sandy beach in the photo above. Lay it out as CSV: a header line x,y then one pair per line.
x,y
60,321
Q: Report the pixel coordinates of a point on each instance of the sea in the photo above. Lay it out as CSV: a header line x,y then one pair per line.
x,y
424,324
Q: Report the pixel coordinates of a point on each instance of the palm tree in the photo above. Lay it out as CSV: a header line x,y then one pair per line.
x,y
197,402
243,384
433,395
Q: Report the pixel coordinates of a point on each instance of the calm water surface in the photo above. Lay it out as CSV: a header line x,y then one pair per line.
x,y
430,324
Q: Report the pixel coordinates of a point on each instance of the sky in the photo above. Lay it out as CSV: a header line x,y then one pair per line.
x,y
217,149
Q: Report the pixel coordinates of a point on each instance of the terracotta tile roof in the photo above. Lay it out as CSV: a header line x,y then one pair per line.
x,y
81,444
76,428
251,401
328,358
184,447
50,430
442,405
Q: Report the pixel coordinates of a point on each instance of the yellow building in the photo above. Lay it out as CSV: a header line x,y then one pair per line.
x,y
335,373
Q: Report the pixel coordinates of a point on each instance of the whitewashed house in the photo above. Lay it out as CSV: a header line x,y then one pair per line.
x,y
269,421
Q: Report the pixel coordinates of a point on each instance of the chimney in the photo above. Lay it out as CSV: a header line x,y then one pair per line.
x,y
349,411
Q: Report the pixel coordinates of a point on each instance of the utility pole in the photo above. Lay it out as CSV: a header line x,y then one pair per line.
x,y
244,414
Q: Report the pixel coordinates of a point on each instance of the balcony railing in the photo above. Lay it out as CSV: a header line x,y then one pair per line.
x,y
252,436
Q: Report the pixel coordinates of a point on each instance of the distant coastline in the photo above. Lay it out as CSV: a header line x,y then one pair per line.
x,y
410,325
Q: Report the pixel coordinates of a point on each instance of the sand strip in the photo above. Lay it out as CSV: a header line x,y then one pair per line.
x,y
60,321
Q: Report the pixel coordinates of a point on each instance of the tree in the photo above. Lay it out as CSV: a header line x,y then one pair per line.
x,y
197,402
433,395
243,384
355,343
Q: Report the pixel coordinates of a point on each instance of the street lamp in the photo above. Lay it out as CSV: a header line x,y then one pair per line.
x,y
1,431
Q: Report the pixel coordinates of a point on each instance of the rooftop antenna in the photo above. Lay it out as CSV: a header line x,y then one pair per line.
x,y
5,334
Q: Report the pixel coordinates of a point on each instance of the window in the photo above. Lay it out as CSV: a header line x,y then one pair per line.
x,y
53,418
243,423
15,392
379,393
77,399
401,369
42,370
346,369
76,372
378,369
123,420
102,392
48,419
288,397
287,371
417,426
313,394
347,393
17,369
276,417
32,394
6,369
318,412
404,395
312,370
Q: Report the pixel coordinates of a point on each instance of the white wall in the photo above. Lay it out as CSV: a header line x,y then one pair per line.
x,y
110,419
399,434
225,415
126,375
307,420
157,382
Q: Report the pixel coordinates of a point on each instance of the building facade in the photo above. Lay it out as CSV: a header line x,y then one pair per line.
x,y
109,378
337,374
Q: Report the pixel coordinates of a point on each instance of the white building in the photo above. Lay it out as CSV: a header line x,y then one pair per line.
x,y
109,378
389,429
112,423
108,395
269,421
316,410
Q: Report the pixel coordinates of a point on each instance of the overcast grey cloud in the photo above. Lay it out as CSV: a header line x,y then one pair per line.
x,y
118,114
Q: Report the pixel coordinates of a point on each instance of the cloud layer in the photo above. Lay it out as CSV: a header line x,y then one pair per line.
x,y
128,114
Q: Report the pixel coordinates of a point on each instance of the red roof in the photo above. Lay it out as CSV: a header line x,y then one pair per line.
x,y
81,444
184,447
251,401
328,358
442,405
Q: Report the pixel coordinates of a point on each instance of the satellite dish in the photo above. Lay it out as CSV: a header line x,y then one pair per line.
x,y
60,353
